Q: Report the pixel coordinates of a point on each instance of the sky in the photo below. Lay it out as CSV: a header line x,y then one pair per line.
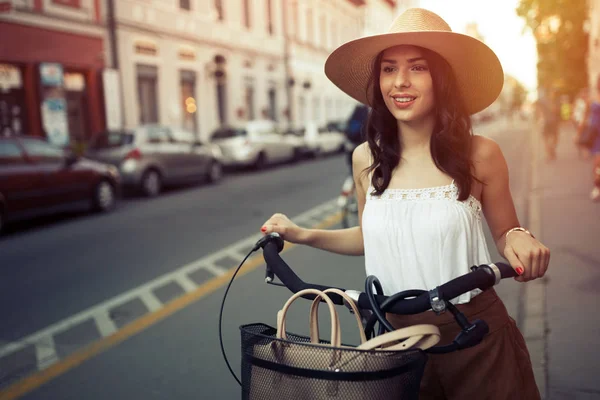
x,y
501,29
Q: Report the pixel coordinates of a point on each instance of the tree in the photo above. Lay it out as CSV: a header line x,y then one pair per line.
x,y
562,42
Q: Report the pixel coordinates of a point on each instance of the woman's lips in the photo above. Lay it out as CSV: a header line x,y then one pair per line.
x,y
403,104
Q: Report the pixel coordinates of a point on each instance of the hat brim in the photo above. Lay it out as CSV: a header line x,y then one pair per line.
x,y
478,71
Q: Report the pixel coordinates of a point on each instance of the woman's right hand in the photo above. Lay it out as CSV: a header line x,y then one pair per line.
x,y
288,230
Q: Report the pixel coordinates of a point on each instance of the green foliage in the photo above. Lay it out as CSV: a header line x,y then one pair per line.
x,y
562,42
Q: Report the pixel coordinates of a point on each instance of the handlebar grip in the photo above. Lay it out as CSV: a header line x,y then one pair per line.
x,y
271,249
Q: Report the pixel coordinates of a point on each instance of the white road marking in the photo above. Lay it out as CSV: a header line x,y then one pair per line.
x,y
151,301
45,351
105,324
186,283
43,340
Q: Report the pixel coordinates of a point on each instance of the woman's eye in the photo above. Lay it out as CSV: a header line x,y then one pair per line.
x,y
420,68
388,69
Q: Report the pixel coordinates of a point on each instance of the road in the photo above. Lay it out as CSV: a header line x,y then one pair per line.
x,y
126,305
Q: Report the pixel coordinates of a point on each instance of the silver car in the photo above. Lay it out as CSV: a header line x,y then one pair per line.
x,y
153,156
255,144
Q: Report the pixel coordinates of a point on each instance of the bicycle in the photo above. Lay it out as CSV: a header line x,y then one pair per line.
x,y
372,305
348,203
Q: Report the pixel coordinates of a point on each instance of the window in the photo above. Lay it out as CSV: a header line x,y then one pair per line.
x,y
226,133
158,134
323,31
333,34
249,98
219,10
296,22
10,153
188,102
41,150
185,4
270,28
147,77
246,11
112,139
183,136
272,95
309,26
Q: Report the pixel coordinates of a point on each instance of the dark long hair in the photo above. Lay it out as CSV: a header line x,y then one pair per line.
x,y
451,138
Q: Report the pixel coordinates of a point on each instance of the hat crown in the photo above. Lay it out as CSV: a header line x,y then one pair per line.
x,y
419,19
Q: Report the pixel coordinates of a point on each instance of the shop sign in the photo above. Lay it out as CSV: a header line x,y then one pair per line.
x,y
54,121
10,77
146,48
187,54
5,6
112,98
51,74
68,3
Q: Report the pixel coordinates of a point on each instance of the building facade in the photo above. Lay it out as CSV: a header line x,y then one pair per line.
x,y
51,60
227,61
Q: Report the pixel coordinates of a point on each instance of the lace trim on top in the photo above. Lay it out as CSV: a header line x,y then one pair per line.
x,y
446,192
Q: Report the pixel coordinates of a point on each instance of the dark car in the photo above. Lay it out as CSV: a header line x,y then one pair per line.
x,y
38,178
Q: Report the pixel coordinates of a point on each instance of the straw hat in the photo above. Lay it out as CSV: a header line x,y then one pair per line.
x,y
477,69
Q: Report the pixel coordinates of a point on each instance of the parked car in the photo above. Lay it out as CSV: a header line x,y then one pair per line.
x,y
296,138
321,140
38,178
255,144
150,157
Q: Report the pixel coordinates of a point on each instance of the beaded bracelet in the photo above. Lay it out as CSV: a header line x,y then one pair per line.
x,y
520,229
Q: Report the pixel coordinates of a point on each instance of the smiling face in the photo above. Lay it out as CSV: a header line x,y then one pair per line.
x,y
406,84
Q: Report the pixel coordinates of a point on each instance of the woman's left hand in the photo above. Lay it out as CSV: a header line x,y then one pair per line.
x,y
525,252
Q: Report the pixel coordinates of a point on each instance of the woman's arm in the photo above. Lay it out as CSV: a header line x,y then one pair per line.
x,y
341,241
521,249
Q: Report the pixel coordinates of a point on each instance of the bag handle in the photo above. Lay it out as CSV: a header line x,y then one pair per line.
x,y
335,323
416,336
314,314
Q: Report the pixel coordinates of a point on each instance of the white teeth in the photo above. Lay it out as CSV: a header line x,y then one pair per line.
x,y
404,99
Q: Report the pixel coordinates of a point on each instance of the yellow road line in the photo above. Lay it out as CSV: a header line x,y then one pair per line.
x,y
37,379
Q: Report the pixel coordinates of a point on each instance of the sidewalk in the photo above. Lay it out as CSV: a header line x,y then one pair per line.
x,y
561,325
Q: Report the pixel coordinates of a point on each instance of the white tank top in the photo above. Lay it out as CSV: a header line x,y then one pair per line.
x,y
422,238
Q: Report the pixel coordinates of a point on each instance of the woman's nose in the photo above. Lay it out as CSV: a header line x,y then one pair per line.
x,y
402,80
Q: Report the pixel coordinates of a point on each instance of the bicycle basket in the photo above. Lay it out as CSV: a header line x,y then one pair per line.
x,y
274,368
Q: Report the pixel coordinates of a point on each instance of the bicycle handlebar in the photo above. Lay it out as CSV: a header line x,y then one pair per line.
x,y
482,277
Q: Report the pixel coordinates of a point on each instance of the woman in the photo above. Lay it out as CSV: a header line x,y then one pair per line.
x,y
589,137
422,181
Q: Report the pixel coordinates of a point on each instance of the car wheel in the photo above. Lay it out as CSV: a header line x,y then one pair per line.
x,y
261,161
215,172
104,196
151,183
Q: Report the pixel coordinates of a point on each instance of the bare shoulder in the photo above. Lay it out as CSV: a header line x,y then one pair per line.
x,y
487,157
362,155
361,160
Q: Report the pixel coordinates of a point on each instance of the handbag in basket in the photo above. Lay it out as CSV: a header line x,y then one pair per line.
x,y
281,365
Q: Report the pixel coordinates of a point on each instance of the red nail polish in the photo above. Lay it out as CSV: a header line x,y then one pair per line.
x,y
519,270
264,229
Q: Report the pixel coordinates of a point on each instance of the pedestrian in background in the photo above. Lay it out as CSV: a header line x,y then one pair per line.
x,y
579,120
550,113
423,180
588,137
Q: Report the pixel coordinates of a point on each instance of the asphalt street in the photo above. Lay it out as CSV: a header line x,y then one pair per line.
x,y
58,268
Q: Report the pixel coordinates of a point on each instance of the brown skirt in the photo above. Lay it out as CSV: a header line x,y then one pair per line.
x,y
498,368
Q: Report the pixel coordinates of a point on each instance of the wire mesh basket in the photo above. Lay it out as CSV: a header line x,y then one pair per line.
x,y
275,368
